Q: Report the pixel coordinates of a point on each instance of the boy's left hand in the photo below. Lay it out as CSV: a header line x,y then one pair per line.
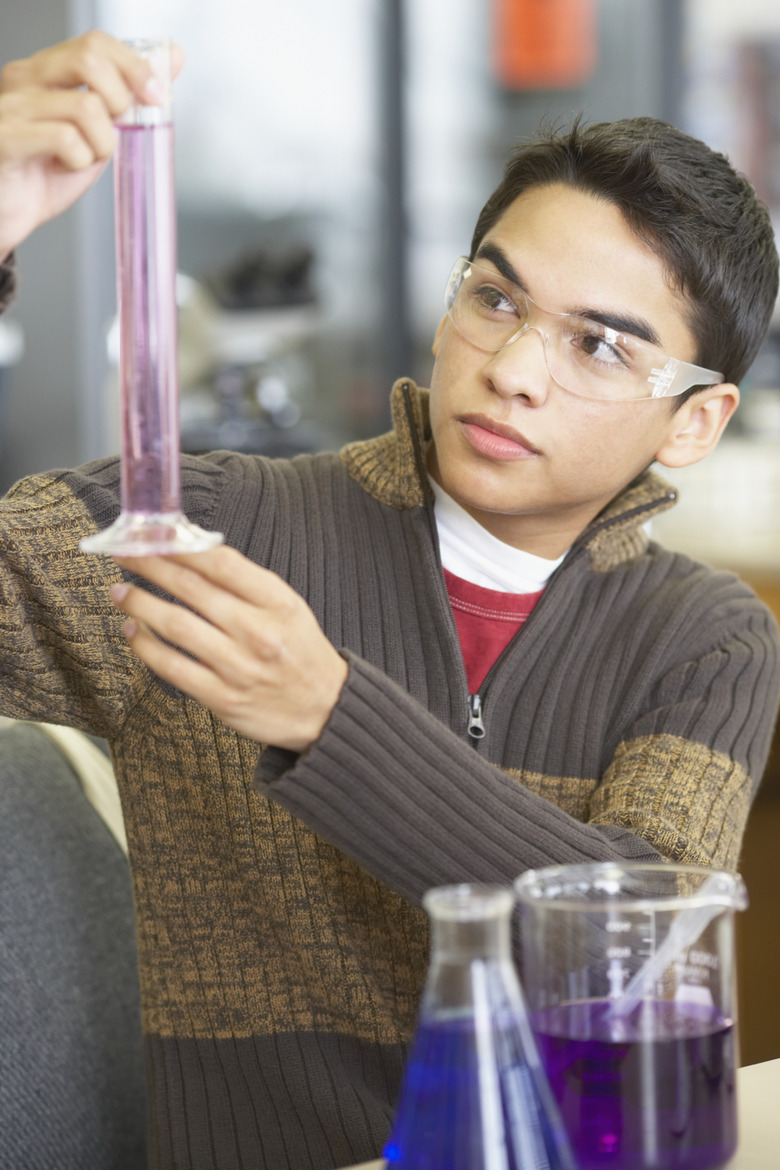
x,y
262,662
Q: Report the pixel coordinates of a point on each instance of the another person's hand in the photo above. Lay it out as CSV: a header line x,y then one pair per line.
x,y
259,660
56,125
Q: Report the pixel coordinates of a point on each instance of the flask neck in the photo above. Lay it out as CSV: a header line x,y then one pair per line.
x,y
469,922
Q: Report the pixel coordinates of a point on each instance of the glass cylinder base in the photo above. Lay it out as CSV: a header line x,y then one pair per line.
x,y
138,534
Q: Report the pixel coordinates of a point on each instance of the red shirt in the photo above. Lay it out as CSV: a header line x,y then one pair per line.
x,y
486,620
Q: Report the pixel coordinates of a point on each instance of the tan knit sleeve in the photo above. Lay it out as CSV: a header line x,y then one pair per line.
x,y
63,657
687,800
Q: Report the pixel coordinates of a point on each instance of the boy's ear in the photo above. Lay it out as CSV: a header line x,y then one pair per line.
x,y
437,338
696,427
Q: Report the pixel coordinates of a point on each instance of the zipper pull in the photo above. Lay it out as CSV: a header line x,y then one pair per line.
x,y
476,727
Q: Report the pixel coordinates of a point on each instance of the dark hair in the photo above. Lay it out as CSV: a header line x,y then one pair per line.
x,y
686,202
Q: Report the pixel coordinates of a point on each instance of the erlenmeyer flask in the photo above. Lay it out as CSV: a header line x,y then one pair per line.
x,y
474,1095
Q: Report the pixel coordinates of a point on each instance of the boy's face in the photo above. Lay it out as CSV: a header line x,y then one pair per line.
x,y
532,462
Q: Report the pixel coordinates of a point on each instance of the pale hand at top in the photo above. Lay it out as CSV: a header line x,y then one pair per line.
x,y
57,109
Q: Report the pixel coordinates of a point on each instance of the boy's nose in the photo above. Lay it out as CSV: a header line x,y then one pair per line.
x,y
520,367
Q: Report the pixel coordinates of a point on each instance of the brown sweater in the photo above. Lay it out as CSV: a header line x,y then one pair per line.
x,y
282,947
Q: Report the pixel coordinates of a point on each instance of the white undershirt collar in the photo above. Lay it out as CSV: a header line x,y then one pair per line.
x,y
471,552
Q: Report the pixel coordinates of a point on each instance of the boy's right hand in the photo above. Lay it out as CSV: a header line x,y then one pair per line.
x,y
56,125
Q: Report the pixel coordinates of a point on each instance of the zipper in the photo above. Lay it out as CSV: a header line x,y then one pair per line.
x,y
476,727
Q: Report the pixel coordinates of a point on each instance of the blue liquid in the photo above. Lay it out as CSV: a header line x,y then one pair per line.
x,y
652,1090
442,1122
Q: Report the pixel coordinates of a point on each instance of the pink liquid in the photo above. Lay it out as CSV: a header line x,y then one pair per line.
x,y
144,196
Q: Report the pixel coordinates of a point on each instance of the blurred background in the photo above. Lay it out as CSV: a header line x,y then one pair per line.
x,y
331,161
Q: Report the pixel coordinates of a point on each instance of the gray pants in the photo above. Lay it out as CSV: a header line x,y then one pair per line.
x,y
72,1094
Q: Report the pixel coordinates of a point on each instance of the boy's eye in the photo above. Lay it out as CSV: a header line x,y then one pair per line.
x,y
594,344
490,297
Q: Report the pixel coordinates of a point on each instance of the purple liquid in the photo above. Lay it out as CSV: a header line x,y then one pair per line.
x,y
661,1095
439,1124
146,276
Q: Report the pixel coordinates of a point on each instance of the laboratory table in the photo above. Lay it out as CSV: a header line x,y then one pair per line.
x,y
758,1101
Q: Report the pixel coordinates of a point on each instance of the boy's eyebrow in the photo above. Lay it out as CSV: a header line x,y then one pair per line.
x,y
636,326
499,257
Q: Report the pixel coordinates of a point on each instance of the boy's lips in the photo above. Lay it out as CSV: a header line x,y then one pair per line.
x,y
495,439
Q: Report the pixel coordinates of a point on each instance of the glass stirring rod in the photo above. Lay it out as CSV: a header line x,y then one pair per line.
x,y
151,520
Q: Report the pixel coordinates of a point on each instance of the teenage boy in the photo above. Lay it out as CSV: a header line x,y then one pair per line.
x,y
460,647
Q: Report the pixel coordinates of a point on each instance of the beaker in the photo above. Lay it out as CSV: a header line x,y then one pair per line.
x,y
150,520
629,975
474,1094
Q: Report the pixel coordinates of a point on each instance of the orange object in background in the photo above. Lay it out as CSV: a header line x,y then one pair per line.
x,y
544,44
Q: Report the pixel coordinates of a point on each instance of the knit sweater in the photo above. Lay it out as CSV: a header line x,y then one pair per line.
x,y
282,947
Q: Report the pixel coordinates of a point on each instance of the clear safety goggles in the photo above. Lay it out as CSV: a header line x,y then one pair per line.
x,y
583,356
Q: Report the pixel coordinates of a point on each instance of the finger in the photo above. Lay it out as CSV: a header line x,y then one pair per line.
x,y
187,675
80,108
177,59
179,626
247,633
187,575
57,140
108,68
97,60
228,569
241,656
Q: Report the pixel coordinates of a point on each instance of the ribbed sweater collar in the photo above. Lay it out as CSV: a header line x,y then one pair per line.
x,y
391,468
